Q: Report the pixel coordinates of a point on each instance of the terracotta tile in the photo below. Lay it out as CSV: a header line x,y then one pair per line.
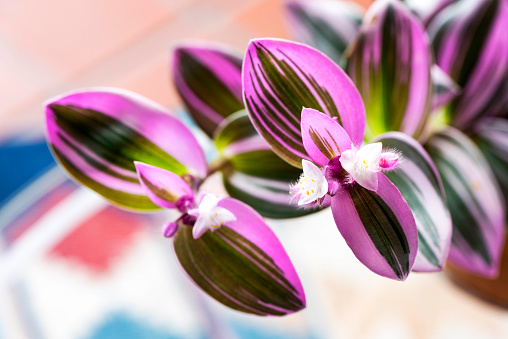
x,y
152,80
70,35
265,19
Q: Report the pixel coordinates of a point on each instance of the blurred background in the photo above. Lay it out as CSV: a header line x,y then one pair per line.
x,y
71,266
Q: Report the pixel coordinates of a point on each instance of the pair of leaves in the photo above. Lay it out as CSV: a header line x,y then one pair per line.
x,y
471,46
208,79
101,136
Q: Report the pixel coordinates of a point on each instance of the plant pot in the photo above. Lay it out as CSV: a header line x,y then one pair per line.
x,y
492,290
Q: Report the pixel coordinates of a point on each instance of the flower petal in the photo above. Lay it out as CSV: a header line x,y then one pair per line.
x,y
242,264
420,184
326,25
370,152
209,80
474,200
390,64
97,134
378,227
280,78
471,45
323,138
163,187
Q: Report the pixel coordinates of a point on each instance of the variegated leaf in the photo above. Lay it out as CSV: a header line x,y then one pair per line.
x,y
492,139
242,264
379,227
420,184
445,89
97,134
209,80
326,25
280,78
471,45
390,64
475,202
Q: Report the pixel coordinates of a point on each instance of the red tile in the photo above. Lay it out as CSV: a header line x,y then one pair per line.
x,y
100,240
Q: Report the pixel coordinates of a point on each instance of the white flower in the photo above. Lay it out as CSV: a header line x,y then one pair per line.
x,y
209,215
363,164
311,186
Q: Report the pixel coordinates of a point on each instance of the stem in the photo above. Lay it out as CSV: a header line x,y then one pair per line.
x,y
220,164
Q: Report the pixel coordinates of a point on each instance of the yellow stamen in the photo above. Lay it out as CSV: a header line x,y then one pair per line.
x,y
307,192
312,191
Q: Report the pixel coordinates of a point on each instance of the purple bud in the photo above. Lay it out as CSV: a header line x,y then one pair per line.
x,y
169,229
388,161
185,203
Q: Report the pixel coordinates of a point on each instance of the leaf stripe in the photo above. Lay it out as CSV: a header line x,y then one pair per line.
x,y
384,229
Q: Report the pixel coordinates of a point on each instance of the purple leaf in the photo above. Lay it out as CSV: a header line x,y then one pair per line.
x,y
379,227
209,80
471,45
390,64
97,134
474,200
323,138
163,187
242,264
280,78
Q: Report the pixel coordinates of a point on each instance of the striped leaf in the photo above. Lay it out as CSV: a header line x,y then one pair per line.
x,y
326,25
390,63
471,45
474,200
492,140
257,176
242,264
420,184
209,80
427,10
97,134
280,78
444,88
379,227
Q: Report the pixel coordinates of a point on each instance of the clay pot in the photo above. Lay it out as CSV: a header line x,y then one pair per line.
x,y
492,290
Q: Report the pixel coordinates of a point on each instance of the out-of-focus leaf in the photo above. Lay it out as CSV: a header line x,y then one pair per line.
x,y
420,184
390,63
428,9
242,264
379,227
445,89
475,202
326,25
209,80
97,134
471,45
257,176
280,78
492,140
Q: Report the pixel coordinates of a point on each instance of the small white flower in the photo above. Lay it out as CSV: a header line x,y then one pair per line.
x,y
209,215
363,164
311,186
